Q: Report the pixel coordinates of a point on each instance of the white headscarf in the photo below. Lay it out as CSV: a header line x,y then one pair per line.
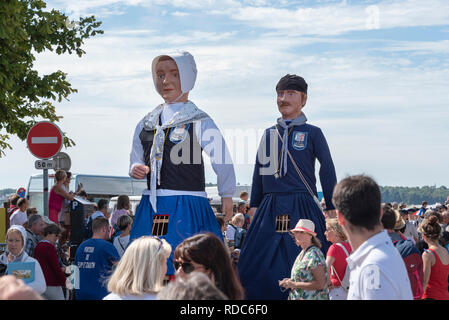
x,y
24,236
186,66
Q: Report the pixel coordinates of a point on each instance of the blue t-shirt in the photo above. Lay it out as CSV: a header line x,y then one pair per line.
x,y
94,258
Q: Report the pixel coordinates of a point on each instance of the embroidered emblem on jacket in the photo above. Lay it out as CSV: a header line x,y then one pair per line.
x,y
179,133
299,141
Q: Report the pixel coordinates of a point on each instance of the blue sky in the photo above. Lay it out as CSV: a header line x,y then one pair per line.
x,y
377,74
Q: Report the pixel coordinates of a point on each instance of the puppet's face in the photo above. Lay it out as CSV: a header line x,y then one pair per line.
x,y
168,83
290,103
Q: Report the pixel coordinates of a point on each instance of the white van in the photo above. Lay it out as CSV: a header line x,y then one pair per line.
x,y
134,200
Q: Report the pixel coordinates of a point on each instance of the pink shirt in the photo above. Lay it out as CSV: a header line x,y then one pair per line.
x,y
55,200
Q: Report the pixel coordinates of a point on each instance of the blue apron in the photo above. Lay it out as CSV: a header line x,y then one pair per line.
x,y
188,215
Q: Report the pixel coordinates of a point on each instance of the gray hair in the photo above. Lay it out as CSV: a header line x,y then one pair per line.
x,y
33,219
197,286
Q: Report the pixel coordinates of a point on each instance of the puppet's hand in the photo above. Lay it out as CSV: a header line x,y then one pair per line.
x,y
140,171
228,208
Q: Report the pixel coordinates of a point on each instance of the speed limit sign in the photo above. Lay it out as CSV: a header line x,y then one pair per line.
x,y
44,164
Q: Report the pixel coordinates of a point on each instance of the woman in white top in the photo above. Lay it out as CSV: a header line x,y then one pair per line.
x,y
15,240
124,223
140,273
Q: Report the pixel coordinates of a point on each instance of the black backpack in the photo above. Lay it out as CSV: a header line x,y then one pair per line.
x,y
239,236
88,229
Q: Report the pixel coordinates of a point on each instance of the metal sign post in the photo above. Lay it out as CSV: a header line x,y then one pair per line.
x,y
46,192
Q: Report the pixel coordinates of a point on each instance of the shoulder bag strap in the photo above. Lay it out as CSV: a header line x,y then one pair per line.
x,y
333,271
343,247
120,243
300,173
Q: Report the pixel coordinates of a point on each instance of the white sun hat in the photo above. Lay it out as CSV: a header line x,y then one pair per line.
x,y
305,225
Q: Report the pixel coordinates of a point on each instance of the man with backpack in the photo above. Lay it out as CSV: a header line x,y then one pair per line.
x,y
395,226
101,212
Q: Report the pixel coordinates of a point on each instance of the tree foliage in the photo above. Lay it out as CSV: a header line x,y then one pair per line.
x,y
414,195
27,29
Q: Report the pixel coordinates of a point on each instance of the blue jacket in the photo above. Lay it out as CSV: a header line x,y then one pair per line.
x,y
306,144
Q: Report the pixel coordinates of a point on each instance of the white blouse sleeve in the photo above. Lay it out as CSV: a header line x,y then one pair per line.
x,y
39,285
136,155
215,147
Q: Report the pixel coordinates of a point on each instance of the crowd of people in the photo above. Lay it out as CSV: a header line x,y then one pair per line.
x,y
413,264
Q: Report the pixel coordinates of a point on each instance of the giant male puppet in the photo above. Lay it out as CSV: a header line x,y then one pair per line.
x,y
284,191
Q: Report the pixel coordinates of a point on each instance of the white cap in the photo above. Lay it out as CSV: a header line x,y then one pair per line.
x,y
186,66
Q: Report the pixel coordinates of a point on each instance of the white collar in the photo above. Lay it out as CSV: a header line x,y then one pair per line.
x,y
373,242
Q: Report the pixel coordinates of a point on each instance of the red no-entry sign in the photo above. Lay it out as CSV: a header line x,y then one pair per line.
x,y
44,140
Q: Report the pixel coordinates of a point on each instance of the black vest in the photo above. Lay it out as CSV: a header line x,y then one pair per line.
x,y
185,170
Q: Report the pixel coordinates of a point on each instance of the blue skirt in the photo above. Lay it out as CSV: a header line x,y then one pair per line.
x,y
188,215
267,256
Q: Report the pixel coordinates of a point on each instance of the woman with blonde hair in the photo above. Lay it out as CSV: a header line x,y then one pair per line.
x,y
336,259
57,195
140,273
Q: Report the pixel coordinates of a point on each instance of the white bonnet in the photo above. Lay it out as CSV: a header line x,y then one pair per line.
x,y
186,66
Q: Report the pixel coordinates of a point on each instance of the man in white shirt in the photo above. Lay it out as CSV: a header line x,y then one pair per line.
x,y
411,231
377,271
19,217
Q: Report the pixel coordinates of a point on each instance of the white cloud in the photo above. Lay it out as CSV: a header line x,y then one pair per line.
x,y
180,14
334,19
102,8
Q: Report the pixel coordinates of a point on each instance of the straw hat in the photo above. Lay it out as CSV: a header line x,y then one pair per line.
x,y
400,223
305,225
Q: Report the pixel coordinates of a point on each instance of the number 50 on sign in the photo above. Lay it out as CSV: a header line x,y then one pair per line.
x,y
44,164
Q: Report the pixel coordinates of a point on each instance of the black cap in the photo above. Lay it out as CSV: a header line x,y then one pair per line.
x,y
292,82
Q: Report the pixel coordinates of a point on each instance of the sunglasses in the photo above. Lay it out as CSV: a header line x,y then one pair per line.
x,y
187,267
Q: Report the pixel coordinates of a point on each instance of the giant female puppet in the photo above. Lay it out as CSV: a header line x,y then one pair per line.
x,y
284,191
167,150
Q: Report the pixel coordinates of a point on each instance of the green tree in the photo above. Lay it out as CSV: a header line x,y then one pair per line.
x,y
414,195
27,29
